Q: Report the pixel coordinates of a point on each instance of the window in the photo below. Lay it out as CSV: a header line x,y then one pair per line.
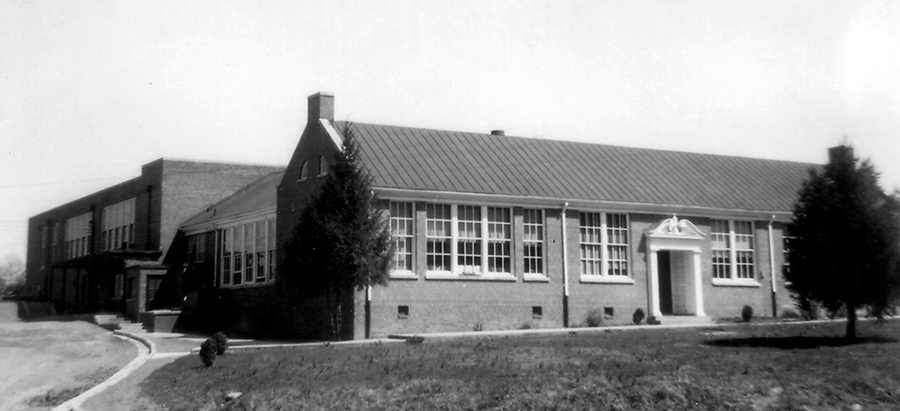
x,y
617,244
468,240
117,228
438,237
246,253
44,231
533,240
304,168
261,238
721,246
591,244
499,247
78,234
733,250
270,250
197,248
323,166
468,244
119,286
402,234
604,246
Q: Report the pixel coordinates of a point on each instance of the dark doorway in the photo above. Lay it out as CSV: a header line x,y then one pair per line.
x,y
664,269
153,283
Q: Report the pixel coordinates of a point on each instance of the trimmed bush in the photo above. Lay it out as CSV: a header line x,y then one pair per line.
x,y
208,352
638,316
747,313
416,339
594,318
221,342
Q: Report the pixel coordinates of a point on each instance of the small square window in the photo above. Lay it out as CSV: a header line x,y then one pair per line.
x,y
537,312
608,312
402,312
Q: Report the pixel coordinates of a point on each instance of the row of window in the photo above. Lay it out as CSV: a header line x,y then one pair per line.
x,y
117,230
78,234
476,240
304,169
246,253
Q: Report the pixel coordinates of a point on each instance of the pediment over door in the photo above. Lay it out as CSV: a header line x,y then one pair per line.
x,y
673,228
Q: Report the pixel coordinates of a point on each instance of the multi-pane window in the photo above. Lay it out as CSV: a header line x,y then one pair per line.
x,y
468,240
197,248
438,237
246,253
117,228
743,250
721,249
468,244
786,250
119,286
591,231
604,244
78,235
733,250
617,244
499,246
323,166
44,231
261,239
402,234
533,227
270,251
304,170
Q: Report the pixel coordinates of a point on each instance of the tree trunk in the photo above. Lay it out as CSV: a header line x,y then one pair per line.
x,y
851,322
330,308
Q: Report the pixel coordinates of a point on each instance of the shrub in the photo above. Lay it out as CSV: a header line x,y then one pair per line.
x,y
790,314
638,316
525,326
416,339
594,318
747,313
478,327
208,352
221,341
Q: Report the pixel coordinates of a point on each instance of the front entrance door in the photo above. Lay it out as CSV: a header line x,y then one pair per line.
x,y
664,267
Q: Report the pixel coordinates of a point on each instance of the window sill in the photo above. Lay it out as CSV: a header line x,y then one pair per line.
x,y
300,180
604,279
321,175
403,275
248,285
735,283
536,278
445,275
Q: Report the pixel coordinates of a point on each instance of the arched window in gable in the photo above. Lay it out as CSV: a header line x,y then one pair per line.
x,y
303,171
323,166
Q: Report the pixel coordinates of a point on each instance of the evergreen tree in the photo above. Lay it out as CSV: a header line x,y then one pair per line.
x,y
341,242
846,247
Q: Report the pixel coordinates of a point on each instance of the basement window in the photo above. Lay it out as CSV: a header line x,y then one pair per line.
x,y
608,312
402,312
537,312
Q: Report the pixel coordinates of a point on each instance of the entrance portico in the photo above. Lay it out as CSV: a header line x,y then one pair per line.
x,y
674,248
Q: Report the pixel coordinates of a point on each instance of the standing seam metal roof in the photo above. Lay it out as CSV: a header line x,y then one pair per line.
x,y
453,161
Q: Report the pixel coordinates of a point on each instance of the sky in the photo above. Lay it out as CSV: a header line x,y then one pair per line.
x,y
92,90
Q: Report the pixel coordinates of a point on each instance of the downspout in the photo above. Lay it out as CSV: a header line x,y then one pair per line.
x,y
772,268
565,266
368,312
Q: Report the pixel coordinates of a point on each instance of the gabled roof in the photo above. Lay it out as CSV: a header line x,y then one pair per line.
x,y
257,196
451,161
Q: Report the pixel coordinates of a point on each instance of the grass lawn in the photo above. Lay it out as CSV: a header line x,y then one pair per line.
x,y
744,367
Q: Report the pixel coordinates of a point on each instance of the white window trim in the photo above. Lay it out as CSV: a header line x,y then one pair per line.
x,y
323,171
405,274
234,226
542,276
732,256
484,275
604,277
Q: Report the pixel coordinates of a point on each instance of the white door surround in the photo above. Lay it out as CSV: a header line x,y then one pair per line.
x,y
685,239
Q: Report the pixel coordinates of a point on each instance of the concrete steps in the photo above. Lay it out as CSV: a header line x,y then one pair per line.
x,y
117,322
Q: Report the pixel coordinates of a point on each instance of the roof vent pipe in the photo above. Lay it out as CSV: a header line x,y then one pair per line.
x,y
498,133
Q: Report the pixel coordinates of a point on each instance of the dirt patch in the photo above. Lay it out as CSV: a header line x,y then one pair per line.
x,y
47,363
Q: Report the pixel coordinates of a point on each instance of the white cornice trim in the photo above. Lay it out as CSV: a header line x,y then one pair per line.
x,y
230,221
333,133
400,194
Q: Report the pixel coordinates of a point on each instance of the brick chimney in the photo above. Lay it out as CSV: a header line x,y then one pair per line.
x,y
841,152
321,105
498,133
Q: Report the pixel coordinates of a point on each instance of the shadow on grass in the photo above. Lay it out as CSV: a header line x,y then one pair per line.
x,y
796,343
